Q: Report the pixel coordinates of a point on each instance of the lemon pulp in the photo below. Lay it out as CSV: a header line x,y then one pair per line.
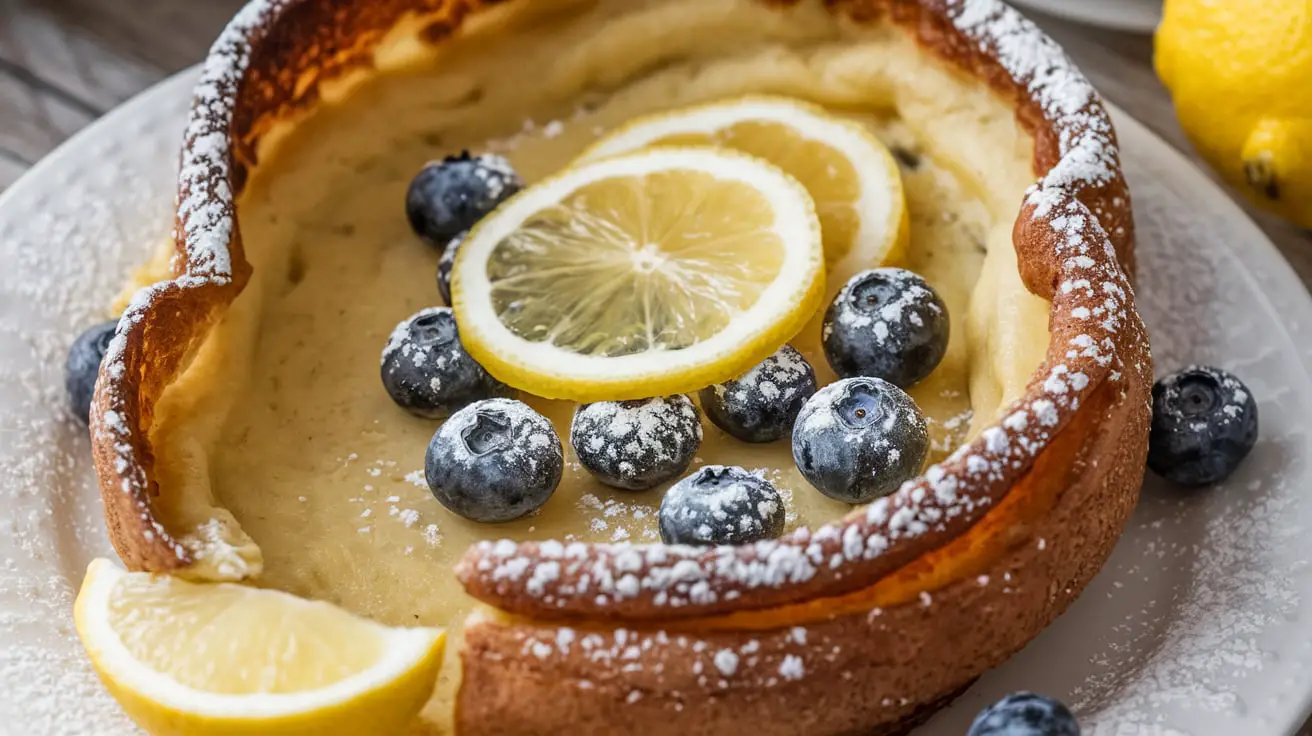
x,y
849,174
657,272
220,658
821,170
637,263
226,639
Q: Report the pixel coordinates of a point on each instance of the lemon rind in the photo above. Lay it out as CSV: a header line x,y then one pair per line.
x,y
406,651
881,236
782,310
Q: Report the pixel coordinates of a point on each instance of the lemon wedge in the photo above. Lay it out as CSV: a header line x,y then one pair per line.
x,y
648,274
219,658
849,173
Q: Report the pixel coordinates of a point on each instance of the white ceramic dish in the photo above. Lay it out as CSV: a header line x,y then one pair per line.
x,y
1139,16
1200,624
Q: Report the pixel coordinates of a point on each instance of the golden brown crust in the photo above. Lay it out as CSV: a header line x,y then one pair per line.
x,y
852,627
267,67
862,672
1065,256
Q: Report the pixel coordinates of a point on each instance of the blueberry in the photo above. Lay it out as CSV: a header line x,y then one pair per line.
x,y
448,197
860,438
493,461
636,444
762,404
445,264
426,370
1204,424
1025,714
887,323
721,505
83,365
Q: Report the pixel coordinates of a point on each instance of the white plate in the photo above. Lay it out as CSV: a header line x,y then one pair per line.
x,y
1199,624
1140,16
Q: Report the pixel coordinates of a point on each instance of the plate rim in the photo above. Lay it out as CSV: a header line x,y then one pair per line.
x,y
1256,248
1079,13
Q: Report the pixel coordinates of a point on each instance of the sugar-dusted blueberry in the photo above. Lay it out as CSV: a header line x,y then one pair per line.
x,y
860,438
1025,714
448,197
444,266
83,365
495,460
426,370
761,405
1204,424
887,323
636,444
721,505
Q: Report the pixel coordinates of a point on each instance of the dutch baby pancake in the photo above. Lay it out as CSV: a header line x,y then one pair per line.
x,y
786,163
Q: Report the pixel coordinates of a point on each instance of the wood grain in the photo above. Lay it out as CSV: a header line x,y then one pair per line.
x,y
64,63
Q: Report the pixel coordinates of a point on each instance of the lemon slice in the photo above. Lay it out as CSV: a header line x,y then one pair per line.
x,y
649,274
849,173
188,658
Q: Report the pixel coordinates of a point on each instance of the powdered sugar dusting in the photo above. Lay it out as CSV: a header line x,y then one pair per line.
x,y
1067,99
632,444
912,297
621,521
1202,592
955,493
533,433
205,203
774,380
673,661
69,234
204,227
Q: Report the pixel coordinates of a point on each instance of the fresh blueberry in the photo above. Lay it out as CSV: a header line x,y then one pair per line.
x,y
860,438
887,323
636,444
445,264
426,370
83,365
1025,714
1204,424
762,405
721,505
448,197
493,461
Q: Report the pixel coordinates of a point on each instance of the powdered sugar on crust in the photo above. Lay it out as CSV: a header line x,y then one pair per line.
x,y
664,659
1096,337
206,212
1067,99
203,232
1093,322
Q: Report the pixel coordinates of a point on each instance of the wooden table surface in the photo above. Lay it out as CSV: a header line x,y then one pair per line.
x,y
64,63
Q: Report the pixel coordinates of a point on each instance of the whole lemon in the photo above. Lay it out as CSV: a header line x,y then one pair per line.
x,y
1240,72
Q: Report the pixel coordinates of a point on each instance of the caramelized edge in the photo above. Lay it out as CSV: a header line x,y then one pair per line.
x,y
1074,241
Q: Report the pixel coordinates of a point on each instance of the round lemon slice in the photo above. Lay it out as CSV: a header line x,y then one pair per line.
x,y
648,274
219,658
849,173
